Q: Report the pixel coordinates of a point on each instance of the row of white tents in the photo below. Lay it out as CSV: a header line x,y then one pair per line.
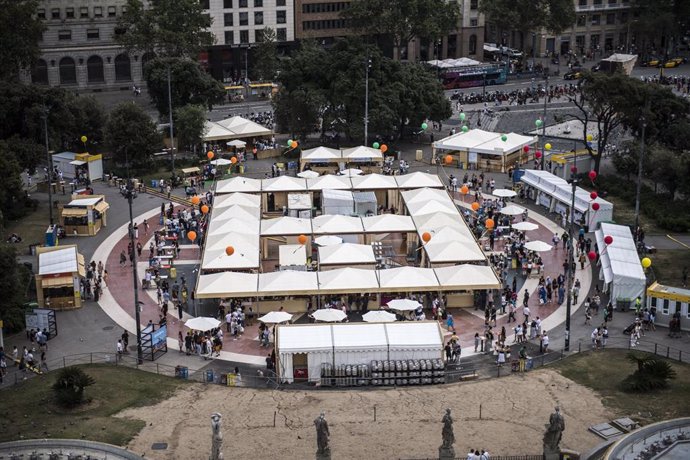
x,y
621,270
329,155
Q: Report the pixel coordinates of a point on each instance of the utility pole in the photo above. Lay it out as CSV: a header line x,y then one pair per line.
x,y
543,120
366,102
484,86
172,139
50,166
640,164
571,261
135,276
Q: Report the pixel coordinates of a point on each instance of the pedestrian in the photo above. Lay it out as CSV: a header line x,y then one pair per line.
x,y
146,227
44,362
180,340
545,342
119,349
450,323
123,258
476,341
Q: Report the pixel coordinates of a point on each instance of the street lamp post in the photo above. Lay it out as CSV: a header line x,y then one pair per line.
x,y
640,164
367,65
172,139
135,277
543,121
570,261
50,166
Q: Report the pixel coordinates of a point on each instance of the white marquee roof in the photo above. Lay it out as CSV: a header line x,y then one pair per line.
x,y
620,262
237,211
287,282
59,261
217,227
238,184
425,194
418,179
336,224
284,184
243,199
480,141
453,251
362,153
237,284
468,276
373,182
246,256
329,181
385,223
282,226
347,254
408,279
321,154
421,208
345,280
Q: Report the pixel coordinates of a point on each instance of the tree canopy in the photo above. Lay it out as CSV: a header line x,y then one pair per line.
x,y
131,136
20,32
168,28
403,20
326,89
659,21
190,121
265,56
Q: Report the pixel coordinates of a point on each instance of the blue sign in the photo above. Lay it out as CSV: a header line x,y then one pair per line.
x,y
158,338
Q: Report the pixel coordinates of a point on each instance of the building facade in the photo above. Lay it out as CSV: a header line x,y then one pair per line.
x,y
78,49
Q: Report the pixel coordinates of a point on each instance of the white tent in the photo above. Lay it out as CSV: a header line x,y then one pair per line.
x,y
409,279
320,155
292,256
434,222
238,184
425,194
237,211
486,142
236,143
388,223
354,344
217,227
373,182
329,181
452,245
284,184
362,154
418,179
283,226
336,224
287,282
337,202
621,269
365,203
227,284
468,276
214,132
308,174
222,241
244,257
242,199
242,128
421,208
465,140
347,254
347,280
299,202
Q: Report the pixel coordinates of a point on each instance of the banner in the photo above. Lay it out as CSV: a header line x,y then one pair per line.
x,y
159,337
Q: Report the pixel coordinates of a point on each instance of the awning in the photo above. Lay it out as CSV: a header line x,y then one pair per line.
x,y
77,162
60,281
74,212
102,207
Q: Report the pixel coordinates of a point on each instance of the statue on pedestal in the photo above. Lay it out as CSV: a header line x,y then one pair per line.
x,y
217,439
446,450
323,450
553,435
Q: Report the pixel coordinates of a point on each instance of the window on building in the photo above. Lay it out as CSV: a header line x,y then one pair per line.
x,y
228,37
69,13
596,19
227,19
653,301
613,2
243,3
581,19
92,34
665,307
473,44
84,12
582,3
97,11
474,22
258,18
94,70
204,4
41,13
258,35
258,3
68,71
227,4
111,12
64,35
474,4
123,68
598,2
244,19
39,73
55,13
281,17
611,18
280,2
594,41
678,306
281,34
624,17
244,36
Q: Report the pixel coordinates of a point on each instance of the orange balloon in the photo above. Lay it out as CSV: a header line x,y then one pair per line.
x,y
464,190
490,223
449,159
233,160
195,200
210,155
191,235
204,209
383,148
229,250
426,236
294,144
302,239
475,206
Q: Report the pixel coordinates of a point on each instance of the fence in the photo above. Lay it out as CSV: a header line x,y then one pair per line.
x,y
479,368
502,457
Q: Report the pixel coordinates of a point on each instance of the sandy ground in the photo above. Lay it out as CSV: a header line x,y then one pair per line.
x,y
408,421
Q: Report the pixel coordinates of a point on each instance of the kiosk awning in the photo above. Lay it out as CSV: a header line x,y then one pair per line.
x,y
74,212
60,281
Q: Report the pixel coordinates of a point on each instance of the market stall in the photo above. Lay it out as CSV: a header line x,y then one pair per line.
x,y
620,267
670,301
84,215
367,159
346,255
322,159
82,166
58,281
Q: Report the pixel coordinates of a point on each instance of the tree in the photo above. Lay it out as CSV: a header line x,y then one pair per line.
x,y
70,384
168,28
189,84
265,56
529,15
403,20
190,121
13,283
670,169
658,24
131,136
651,374
20,32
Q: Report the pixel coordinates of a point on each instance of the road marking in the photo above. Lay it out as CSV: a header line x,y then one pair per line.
x,y
679,242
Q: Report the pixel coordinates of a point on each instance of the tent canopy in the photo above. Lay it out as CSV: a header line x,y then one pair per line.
x,y
408,279
387,223
362,153
417,180
329,181
321,155
373,182
292,254
284,184
620,263
228,284
336,224
242,199
58,261
424,194
233,127
480,141
468,276
282,226
345,280
287,282
347,254
238,184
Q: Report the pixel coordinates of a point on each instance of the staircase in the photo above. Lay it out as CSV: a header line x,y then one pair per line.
x,y
173,198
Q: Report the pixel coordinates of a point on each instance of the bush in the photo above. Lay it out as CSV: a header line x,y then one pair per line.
x,y
651,374
69,386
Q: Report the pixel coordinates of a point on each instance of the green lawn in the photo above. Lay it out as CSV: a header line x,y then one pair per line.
x,y
668,265
603,371
27,410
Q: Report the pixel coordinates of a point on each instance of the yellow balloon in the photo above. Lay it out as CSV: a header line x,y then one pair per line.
x,y
589,137
646,262
84,139
547,146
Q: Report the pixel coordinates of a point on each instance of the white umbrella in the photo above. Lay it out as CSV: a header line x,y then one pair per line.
x,y
275,317
351,172
512,210
221,162
329,315
538,246
236,143
308,174
504,193
378,316
202,323
328,240
525,226
404,304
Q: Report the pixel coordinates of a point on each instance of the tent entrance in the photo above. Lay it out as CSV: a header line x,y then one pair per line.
x,y
300,368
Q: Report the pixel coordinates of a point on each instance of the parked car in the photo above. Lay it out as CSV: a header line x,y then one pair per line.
x,y
652,62
574,74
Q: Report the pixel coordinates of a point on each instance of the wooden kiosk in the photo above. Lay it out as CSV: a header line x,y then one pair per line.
x,y
60,269
84,215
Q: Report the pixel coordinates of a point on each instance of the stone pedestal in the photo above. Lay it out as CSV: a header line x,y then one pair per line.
x,y
551,455
323,456
446,453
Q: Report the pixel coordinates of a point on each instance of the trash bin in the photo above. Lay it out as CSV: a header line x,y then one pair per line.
x,y
154,183
209,376
181,372
173,273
